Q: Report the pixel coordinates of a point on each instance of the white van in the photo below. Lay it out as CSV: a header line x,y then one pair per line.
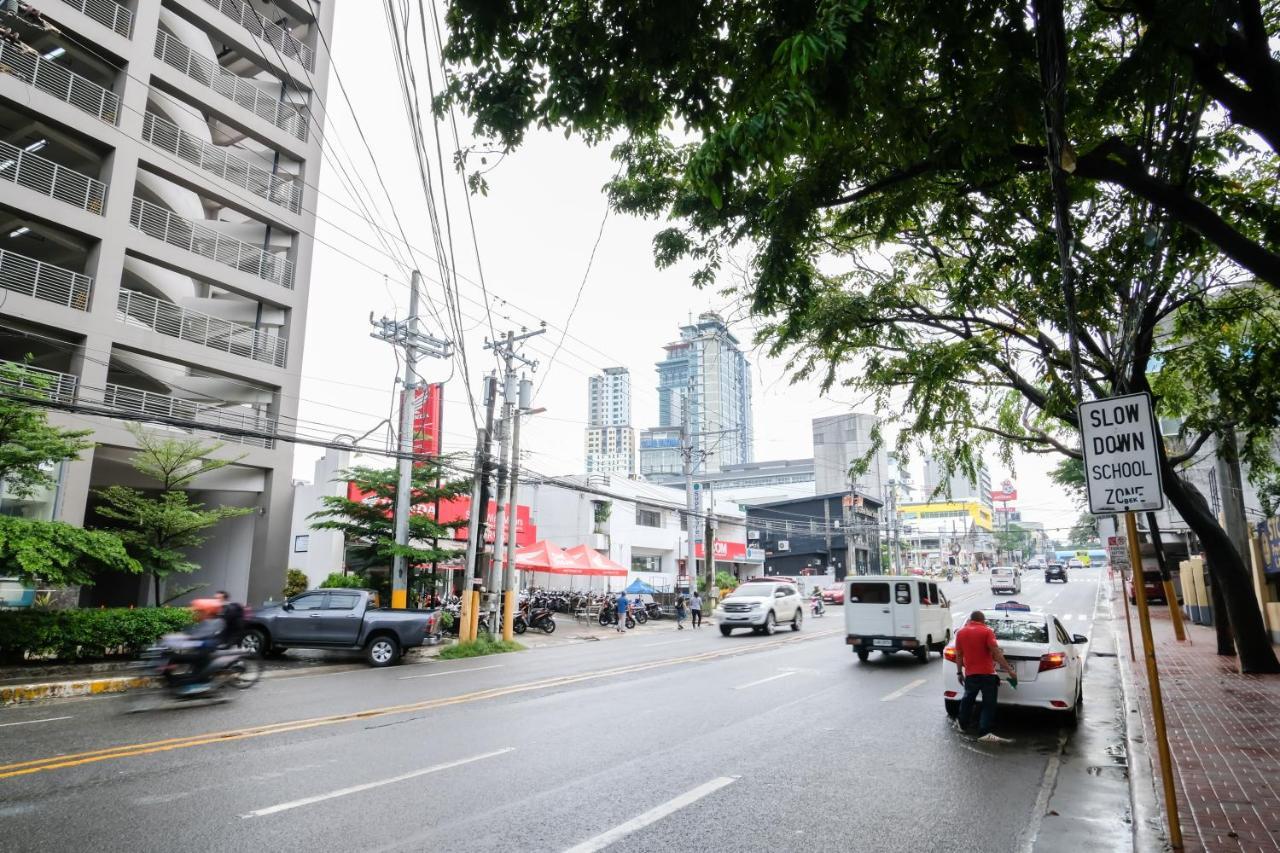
x,y
891,613
1006,579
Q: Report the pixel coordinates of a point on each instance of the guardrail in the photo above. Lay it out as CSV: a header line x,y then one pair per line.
x,y
275,35
16,377
155,221
21,167
211,418
283,115
216,161
139,308
107,13
51,78
20,274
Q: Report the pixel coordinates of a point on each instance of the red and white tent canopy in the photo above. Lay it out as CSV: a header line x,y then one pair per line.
x,y
596,563
582,561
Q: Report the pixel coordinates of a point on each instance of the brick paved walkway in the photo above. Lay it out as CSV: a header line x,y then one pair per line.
x,y
1224,731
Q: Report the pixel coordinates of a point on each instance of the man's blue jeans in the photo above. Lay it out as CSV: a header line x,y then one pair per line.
x,y
987,685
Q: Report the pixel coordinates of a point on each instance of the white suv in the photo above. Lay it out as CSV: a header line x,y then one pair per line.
x,y
761,605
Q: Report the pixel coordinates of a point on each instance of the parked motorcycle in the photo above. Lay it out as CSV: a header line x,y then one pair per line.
x,y
609,614
179,677
536,617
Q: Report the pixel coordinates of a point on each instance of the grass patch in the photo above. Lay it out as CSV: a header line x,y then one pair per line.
x,y
484,644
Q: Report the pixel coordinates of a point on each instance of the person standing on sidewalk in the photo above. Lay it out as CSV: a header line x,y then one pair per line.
x,y
622,606
680,612
695,606
977,653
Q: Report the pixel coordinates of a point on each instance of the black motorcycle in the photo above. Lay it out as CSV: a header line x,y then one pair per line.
x,y
609,615
537,617
181,676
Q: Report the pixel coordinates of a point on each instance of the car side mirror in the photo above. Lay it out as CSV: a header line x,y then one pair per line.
x,y
286,606
779,594
1079,638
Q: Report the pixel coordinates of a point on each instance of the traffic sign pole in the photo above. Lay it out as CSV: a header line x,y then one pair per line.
x,y
1153,683
1120,559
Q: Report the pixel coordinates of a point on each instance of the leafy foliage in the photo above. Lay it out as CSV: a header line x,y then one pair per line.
x,y
29,444
295,583
158,529
1084,532
337,580
58,554
368,524
1014,538
85,634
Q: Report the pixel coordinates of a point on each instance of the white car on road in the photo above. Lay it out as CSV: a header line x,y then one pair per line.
x,y
1048,659
761,605
1006,579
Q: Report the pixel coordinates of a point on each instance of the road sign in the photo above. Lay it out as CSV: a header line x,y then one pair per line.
x,y
1121,457
1118,551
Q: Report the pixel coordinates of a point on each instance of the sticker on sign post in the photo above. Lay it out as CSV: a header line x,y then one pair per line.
x,y
1121,457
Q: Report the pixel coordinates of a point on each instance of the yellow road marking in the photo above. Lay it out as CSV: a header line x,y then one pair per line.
x,y
39,765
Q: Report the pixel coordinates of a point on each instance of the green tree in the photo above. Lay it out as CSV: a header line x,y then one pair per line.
x,y
1069,474
884,165
337,580
295,583
1084,533
367,523
1014,538
49,552
159,528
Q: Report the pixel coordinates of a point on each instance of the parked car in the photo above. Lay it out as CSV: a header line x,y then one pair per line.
x,y
1049,662
833,594
347,619
1152,585
761,605
1055,572
888,613
1006,579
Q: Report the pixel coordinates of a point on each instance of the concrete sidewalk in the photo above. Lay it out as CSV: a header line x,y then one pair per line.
x,y
1223,735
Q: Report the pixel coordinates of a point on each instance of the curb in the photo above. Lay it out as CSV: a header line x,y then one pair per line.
x,y
1148,821
21,693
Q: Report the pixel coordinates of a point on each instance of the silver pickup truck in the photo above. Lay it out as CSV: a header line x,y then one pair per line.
x,y
347,619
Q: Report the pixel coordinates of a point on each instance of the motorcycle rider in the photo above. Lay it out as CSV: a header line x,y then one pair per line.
x,y
819,606
197,644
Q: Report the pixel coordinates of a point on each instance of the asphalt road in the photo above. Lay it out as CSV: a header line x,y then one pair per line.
x,y
661,740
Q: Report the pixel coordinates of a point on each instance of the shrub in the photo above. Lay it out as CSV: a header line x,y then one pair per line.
x,y
484,644
295,583
337,580
85,634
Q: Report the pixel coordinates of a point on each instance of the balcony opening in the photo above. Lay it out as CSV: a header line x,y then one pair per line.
x,y
41,260
59,64
44,157
277,34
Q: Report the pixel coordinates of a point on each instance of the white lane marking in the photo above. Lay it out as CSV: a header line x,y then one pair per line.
x,y
32,722
1047,783
355,789
451,672
765,680
654,815
663,643
904,690
1066,617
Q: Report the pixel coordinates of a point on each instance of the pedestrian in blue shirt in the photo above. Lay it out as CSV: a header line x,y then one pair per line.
x,y
623,605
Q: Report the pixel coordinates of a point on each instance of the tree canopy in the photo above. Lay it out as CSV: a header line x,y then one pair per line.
x,y
937,199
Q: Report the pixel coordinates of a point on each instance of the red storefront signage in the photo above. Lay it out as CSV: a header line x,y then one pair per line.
x,y
726,551
459,509
428,418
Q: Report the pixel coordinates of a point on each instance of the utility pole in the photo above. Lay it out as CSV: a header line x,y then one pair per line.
x,y
686,458
849,555
509,568
709,541
479,510
414,343
512,394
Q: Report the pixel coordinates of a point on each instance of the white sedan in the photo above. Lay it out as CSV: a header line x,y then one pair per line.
x,y
1049,661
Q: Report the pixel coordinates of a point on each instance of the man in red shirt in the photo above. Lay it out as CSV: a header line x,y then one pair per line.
x,y
977,653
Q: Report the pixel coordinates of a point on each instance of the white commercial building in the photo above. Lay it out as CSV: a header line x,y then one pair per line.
x,y
158,168
610,439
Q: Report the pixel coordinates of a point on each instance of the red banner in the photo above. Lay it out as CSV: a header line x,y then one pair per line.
x,y
459,509
428,414
726,551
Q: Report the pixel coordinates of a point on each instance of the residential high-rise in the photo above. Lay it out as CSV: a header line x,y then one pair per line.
x,y
956,487
158,168
611,441
839,441
707,372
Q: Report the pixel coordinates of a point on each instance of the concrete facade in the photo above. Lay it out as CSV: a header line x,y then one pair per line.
x,y
839,441
157,186
610,438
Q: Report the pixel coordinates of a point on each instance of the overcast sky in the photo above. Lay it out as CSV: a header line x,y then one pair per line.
x,y
536,229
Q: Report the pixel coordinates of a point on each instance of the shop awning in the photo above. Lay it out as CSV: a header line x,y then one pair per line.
x,y
595,563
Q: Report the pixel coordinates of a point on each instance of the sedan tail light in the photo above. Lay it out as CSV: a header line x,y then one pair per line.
x,y
1053,660
949,653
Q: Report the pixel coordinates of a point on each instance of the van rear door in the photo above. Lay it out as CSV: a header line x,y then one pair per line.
x,y
904,609
867,608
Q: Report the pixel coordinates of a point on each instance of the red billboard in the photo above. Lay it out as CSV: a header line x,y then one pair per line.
x,y
1006,493
726,551
428,416
458,509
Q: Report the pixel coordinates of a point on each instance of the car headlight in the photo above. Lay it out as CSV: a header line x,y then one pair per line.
x,y
755,605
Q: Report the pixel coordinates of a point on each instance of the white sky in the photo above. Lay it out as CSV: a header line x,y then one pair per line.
x,y
536,229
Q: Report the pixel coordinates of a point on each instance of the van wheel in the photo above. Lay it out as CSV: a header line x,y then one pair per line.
x,y
863,655
922,653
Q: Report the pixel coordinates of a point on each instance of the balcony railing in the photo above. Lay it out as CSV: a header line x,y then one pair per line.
x,y
248,17
212,418
108,13
216,161
53,79
21,167
18,378
20,274
155,221
137,308
283,115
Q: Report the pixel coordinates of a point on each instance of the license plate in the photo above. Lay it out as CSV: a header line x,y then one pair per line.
x,y
882,642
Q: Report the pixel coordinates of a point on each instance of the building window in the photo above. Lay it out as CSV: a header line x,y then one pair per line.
x,y
648,517
301,543
646,564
